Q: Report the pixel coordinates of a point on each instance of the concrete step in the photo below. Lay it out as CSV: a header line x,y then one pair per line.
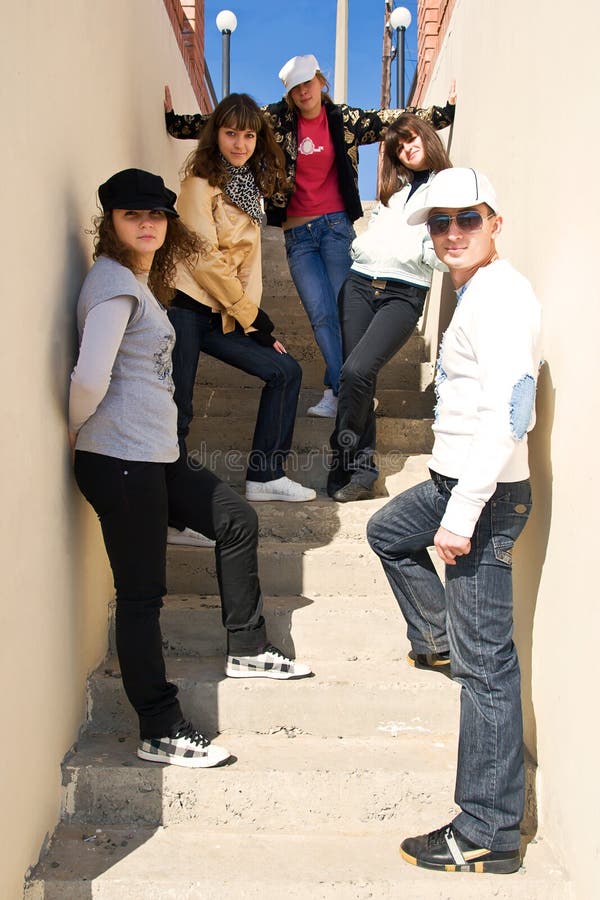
x,y
396,375
311,469
293,569
301,627
182,863
243,403
319,784
351,697
300,342
222,433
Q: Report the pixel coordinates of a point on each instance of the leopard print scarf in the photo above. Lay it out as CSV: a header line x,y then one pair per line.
x,y
241,188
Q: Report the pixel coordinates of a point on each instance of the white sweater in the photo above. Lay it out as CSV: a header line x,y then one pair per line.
x,y
485,384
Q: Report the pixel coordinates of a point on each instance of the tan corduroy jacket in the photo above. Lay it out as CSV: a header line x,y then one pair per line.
x,y
227,276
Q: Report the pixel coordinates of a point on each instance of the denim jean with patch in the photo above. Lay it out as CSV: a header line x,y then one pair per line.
x,y
318,254
472,618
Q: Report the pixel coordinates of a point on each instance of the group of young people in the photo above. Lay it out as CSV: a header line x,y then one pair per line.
x,y
171,282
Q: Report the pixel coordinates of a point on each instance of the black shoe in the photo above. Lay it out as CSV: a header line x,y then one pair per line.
x,y
448,851
435,662
353,491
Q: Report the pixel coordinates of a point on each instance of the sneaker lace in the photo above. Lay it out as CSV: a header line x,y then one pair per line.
x,y
274,651
192,734
436,837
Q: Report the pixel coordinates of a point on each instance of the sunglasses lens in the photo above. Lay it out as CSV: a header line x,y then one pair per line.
x,y
437,225
470,220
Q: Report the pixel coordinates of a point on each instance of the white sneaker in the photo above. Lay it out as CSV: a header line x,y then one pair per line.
x,y
187,748
280,489
271,663
189,537
327,406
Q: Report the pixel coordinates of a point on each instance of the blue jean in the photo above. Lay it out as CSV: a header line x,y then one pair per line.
x,y
318,255
274,429
472,618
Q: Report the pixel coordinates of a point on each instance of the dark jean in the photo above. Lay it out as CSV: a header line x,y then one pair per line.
x,y
472,618
133,501
201,331
376,322
318,254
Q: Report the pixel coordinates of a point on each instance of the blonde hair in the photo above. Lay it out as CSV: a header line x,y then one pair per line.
x,y
324,93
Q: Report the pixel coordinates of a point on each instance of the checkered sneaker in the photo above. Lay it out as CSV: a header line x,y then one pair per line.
x,y
271,663
187,748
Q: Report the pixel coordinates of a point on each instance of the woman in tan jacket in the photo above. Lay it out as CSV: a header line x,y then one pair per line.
x,y
216,309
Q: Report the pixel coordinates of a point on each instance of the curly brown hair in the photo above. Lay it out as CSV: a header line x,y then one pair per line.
x,y
267,163
180,244
394,175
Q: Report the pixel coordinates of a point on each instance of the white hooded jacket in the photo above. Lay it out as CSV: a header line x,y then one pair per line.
x,y
392,249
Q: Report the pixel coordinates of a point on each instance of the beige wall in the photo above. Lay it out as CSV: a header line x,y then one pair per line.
x,y
82,88
527,80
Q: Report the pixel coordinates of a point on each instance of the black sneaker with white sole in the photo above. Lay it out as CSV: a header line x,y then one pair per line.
x,y
270,663
447,850
437,662
188,747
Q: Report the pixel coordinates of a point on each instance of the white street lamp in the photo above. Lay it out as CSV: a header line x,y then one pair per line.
x,y
226,23
400,19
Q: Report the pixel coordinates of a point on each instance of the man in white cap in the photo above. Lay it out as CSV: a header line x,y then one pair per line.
x,y
472,510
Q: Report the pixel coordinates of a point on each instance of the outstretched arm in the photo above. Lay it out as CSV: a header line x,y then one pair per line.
x,y
371,123
184,127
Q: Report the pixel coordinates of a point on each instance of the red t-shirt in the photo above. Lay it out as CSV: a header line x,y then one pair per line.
x,y
317,188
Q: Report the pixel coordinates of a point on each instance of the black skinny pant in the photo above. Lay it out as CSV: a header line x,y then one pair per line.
x,y
376,322
134,501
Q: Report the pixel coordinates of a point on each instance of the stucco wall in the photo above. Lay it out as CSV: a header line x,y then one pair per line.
x,y
526,76
82,98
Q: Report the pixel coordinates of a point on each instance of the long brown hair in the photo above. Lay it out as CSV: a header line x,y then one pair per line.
x,y
267,163
394,175
180,243
324,94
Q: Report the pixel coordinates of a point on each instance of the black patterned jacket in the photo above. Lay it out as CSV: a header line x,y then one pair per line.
x,y
349,127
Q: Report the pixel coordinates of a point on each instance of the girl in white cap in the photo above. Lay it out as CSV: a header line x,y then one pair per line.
x,y
320,140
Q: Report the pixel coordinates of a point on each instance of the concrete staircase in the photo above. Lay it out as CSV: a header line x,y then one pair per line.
x,y
330,772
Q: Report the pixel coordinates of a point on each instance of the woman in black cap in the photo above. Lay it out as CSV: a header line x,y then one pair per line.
x,y
123,431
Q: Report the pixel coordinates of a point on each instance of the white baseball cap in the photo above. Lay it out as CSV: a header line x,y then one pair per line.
x,y
455,189
297,70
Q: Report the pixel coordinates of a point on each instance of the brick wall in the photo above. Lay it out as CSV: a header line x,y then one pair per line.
x,y
433,19
187,19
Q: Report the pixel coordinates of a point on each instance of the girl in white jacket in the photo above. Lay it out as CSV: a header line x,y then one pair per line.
x,y
382,299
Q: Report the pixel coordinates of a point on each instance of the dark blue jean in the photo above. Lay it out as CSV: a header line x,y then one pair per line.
x,y
472,618
202,331
318,254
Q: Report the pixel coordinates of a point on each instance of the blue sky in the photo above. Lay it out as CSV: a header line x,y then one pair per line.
x,y
271,31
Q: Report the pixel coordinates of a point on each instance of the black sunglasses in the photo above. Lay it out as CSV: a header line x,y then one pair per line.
x,y
468,221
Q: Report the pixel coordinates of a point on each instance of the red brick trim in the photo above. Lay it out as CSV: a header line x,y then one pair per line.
x,y
433,20
187,19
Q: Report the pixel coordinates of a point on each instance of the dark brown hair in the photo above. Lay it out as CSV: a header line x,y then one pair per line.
x,y
267,163
180,243
324,94
394,175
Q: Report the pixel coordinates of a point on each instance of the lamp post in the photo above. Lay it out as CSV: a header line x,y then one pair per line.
x,y
226,23
400,19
